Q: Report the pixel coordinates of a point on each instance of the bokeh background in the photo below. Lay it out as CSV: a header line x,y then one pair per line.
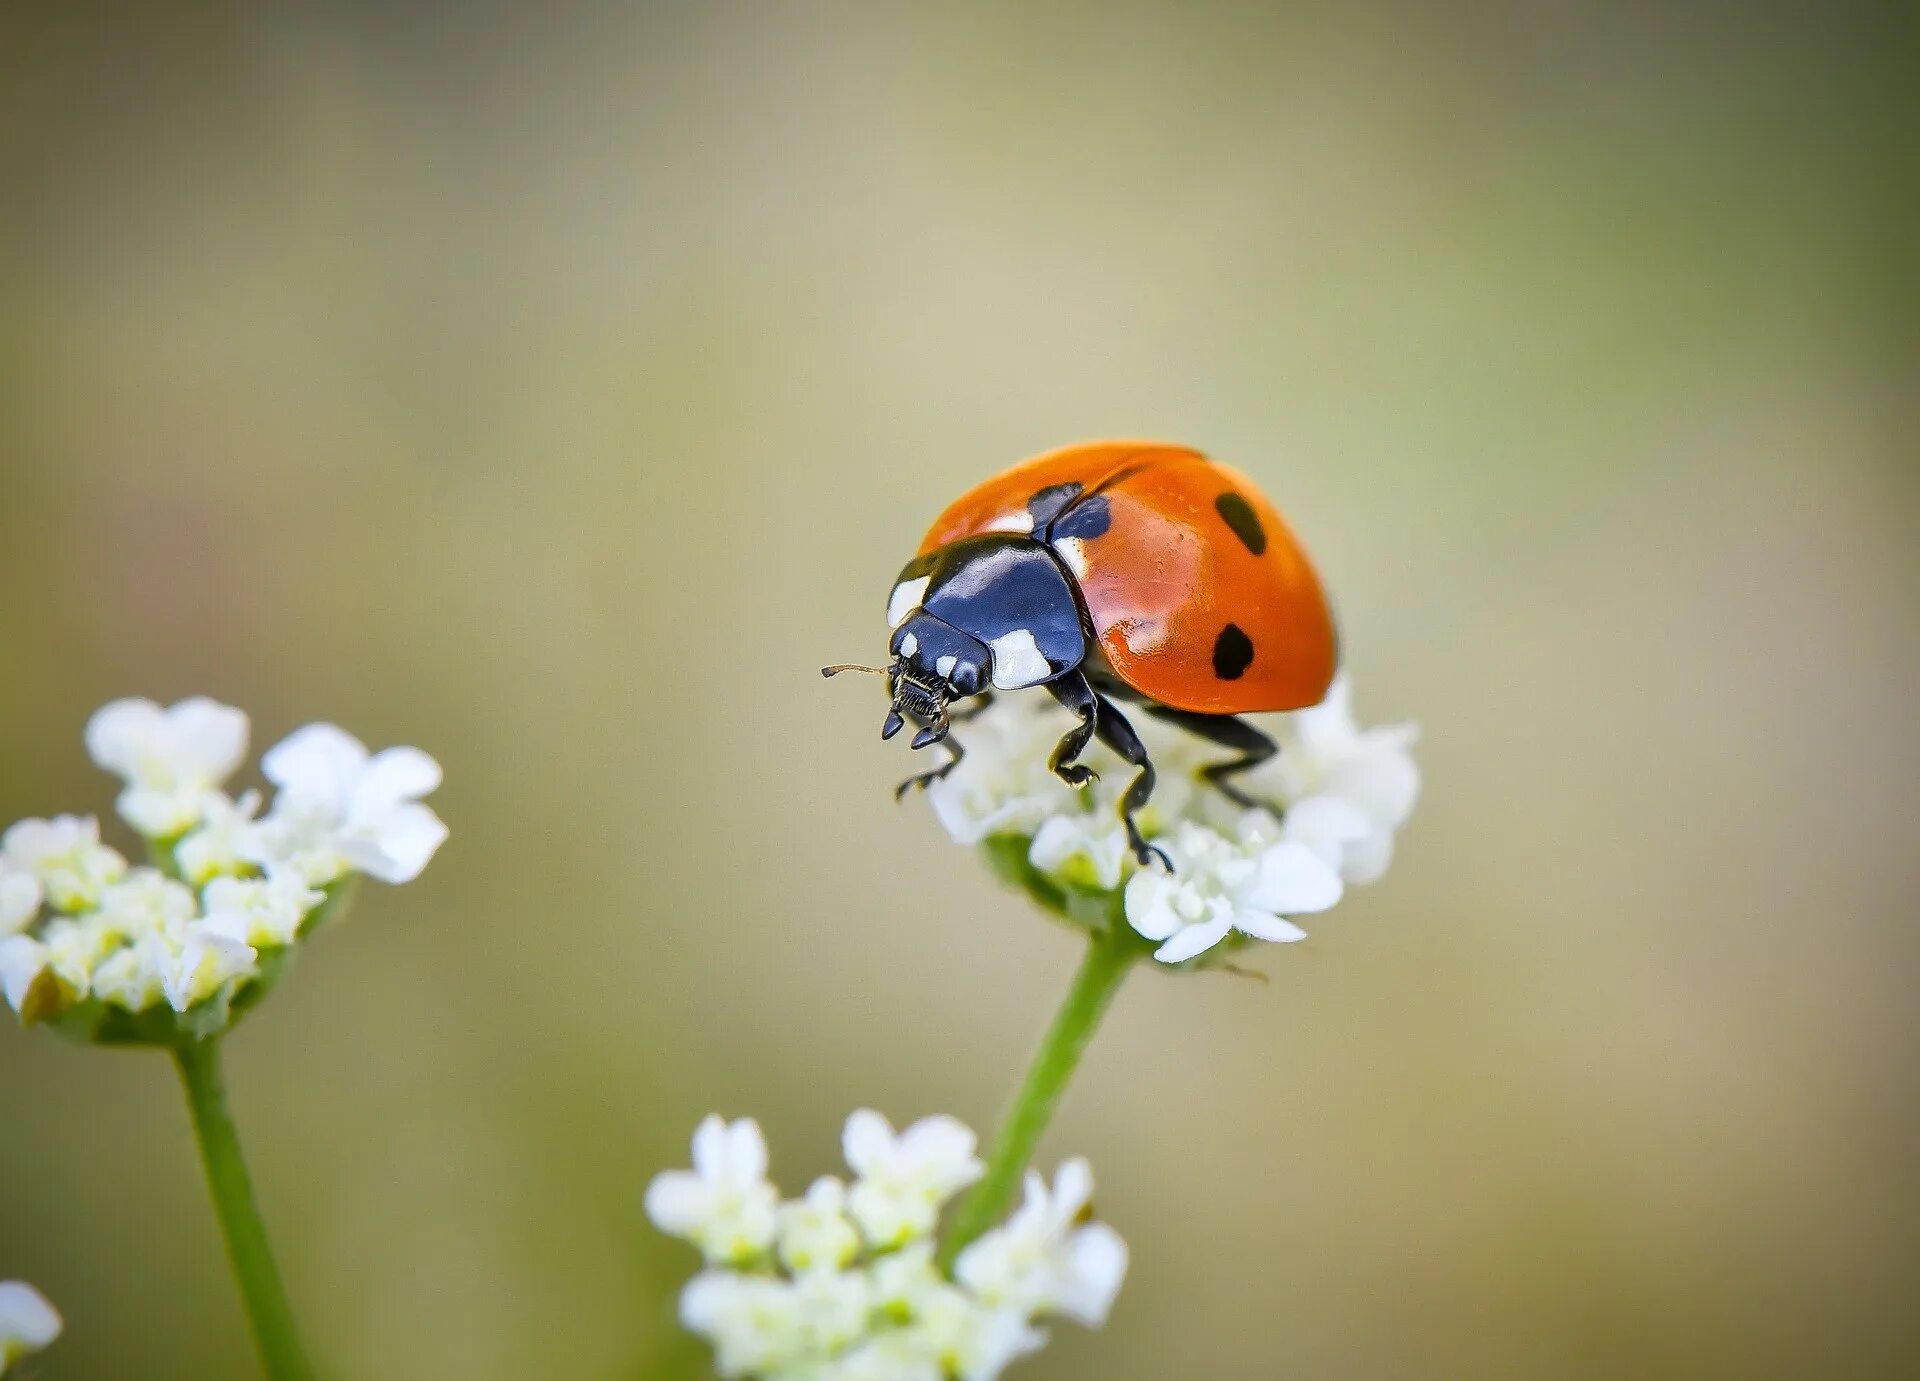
x,y
556,387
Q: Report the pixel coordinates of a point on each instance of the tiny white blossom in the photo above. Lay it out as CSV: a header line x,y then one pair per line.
x,y
66,856
28,1323
832,1309
22,961
133,978
973,1340
219,846
1089,848
1219,885
1002,785
1045,1258
815,1231
20,898
906,1178
1325,753
724,1205
171,759
753,1322
262,912
75,946
145,901
890,1357
340,808
196,963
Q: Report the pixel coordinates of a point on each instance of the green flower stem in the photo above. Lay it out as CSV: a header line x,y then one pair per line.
x,y
1109,956
274,1331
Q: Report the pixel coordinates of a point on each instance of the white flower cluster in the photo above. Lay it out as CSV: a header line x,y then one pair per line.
x,y
226,885
27,1322
1339,793
843,1285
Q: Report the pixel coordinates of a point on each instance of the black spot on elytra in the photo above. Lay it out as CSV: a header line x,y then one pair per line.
x,y
1048,503
1243,520
1085,520
1232,653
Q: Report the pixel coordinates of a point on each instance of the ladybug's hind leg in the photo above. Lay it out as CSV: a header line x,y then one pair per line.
x,y
1229,731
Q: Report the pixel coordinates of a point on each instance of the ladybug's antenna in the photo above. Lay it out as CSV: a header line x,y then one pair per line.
x,y
839,667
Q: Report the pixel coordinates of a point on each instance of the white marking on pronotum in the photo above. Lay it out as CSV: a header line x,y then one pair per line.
x,y
1011,522
906,598
1074,553
908,644
944,666
1017,661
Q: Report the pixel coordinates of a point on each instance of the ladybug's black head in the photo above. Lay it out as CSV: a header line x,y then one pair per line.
x,y
934,664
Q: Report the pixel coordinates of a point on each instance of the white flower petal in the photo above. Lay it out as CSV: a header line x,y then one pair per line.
x,y
866,1141
321,761
1262,926
1293,880
1194,940
211,735
395,775
28,1322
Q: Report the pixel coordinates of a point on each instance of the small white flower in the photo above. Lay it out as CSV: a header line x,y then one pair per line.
x,y
143,902
724,1205
815,1231
262,912
218,847
905,1179
171,759
22,960
1087,847
1220,885
753,1322
971,1340
66,856
1325,752
341,808
133,978
832,1309
20,898
196,963
75,947
903,1356
1003,785
1046,1258
28,1322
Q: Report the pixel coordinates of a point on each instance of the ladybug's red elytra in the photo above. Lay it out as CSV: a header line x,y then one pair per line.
x,y
1111,570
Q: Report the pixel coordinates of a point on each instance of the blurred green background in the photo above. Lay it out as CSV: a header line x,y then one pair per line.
x,y
557,387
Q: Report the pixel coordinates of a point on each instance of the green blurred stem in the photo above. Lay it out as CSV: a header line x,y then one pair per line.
x,y
1101,972
274,1330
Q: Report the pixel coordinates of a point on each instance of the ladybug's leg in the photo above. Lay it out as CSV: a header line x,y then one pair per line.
x,y
1229,731
1074,692
925,779
1118,735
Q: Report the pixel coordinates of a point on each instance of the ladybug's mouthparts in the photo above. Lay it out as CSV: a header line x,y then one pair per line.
x,y
919,701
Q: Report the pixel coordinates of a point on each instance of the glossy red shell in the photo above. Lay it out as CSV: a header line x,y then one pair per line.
x,y
1200,595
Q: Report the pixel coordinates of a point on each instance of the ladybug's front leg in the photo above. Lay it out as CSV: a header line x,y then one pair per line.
x,y
923,780
1074,692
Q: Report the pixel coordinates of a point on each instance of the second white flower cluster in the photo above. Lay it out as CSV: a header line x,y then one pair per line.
x,y
226,887
844,1284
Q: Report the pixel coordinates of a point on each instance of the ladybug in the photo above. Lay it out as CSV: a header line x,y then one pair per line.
x,y
1111,571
